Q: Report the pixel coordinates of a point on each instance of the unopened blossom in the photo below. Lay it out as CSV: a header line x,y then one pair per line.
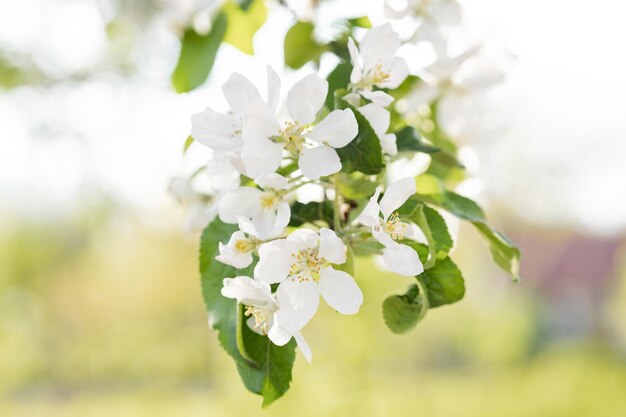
x,y
375,64
265,138
266,208
302,264
388,229
221,132
263,311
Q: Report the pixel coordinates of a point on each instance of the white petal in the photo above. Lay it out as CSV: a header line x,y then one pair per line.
x,y
230,256
447,12
396,195
247,291
298,302
303,346
378,97
283,215
275,261
273,89
259,122
277,334
261,156
378,46
306,98
319,162
304,238
340,291
370,214
240,93
215,130
273,181
398,71
331,247
221,172
382,237
337,129
357,70
378,117
388,143
244,201
246,226
403,260
424,94
265,222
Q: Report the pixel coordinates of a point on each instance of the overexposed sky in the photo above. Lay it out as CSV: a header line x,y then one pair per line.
x,y
550,148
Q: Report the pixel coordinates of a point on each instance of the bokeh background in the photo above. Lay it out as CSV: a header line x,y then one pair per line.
x,y
100,305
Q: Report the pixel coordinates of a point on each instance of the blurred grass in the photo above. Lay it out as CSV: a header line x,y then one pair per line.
x,y
104,317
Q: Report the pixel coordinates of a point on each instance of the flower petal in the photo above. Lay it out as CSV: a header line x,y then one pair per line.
x,y
230,256
239,93
306,98
331,247
357,70
370,214
340,290
277,334
218,131
275,261
396,195
303,346
247,291
382,237
337,129
319,162
298,302
273,181
273,89
378,97
398,71
304,238
270,223
403,260
244,201
378,46
261,156
378,117
388,143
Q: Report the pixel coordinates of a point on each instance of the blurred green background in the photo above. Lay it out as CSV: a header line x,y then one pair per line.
x,y
101,311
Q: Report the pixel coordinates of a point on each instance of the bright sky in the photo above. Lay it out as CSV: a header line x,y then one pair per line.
x,y
554,156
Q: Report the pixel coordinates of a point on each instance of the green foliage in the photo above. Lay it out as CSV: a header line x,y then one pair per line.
x,y
187,143
197,55
408,140
364,153
503,251
338,79
356,186
243,23
300,45
311,212
403,312
269,374
444,283
363,22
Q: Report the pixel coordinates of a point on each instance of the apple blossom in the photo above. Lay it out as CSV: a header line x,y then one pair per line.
x,y
375,64
265,139
379,118
399,258
263,311
301,263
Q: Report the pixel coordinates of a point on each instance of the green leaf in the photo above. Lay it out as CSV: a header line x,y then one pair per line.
x,y
339,78
439,231
503,252
272,375
264,367
300,46
408,140
356,186
187,144
431,190
364,153
197,55
311,212
444,283
243,23
363,22
402,312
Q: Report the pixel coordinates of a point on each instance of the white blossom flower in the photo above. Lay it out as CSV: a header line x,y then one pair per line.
x,y
264,138
221,132
375,64
301,263
238,251
266,209
432,14
380,118
399,258
263,309
201,208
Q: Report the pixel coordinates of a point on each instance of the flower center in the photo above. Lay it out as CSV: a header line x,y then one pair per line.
x,y
375,76
394,227
269,199
262,315
307,265
244,245
292,136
